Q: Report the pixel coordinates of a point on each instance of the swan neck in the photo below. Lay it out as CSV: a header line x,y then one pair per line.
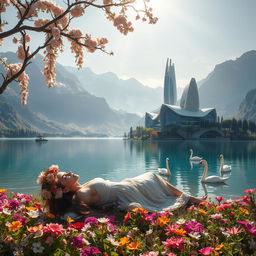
x,y
205,171
167,166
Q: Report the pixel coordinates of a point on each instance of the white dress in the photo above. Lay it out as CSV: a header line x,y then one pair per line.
x,y
148,191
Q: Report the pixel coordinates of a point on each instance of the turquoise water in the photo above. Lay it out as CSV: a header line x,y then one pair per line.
x,y
21,160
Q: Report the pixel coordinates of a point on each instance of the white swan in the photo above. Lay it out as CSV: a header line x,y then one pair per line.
x,y
194,158
165,171
224,167
211,179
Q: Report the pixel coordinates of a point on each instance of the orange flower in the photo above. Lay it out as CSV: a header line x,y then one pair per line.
x,y
123,241
34,229
14,226
50,215
133,246
2,190
162,221
219,247
244,211
202,211
204,203
31,208
140,210
69,220
180,232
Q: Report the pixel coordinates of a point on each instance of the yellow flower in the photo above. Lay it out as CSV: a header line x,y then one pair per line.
x,y
123,241
202,211
2,190
50,215
69,220
14,226
219,247
31,208
204,203
244,211
163,220
140,210
133,246
180,232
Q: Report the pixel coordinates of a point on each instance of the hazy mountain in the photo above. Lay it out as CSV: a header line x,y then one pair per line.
x,y
226,86
67,104
247,109
129,95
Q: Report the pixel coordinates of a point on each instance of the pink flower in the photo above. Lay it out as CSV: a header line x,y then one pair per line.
x,y
193,226
219,198
234,230
77,11
54,229
152,253
174,243
249,191
216,216
206,251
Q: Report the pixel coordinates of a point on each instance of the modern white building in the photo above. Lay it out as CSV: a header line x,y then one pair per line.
x,y
187,113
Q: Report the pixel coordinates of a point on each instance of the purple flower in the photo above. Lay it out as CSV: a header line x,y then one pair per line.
x,y
91,220
193,226
19,217
91,250
13,204
250,229
77,241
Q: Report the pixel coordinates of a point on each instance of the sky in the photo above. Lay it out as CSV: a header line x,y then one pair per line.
x,y
195,34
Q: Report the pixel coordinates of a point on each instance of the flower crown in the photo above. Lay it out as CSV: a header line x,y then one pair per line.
x,y
50,186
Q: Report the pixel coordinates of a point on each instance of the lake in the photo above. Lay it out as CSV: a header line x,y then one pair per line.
x,y
21,160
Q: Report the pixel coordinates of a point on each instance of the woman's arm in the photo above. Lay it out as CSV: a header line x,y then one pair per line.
x,y
87,195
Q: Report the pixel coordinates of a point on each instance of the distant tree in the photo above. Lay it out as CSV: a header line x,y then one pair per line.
x,y
234,125
245,125
226,123
52,19
239,124
252,126
131,133
125,136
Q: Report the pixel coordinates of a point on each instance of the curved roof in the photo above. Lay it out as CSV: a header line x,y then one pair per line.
x,y
184,112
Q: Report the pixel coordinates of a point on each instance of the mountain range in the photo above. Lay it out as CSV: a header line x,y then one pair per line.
x,y
84,103
227,85
128,95
73,109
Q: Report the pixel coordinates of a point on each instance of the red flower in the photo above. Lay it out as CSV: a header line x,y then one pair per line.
x,y
78,225
249,191
219,198
127,217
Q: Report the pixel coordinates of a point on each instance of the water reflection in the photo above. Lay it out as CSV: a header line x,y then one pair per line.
x,y
187,175
22,160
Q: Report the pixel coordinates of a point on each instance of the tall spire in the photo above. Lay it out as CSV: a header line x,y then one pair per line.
x,y
170,91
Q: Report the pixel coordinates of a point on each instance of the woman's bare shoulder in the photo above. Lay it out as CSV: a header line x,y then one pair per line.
x,y
86,194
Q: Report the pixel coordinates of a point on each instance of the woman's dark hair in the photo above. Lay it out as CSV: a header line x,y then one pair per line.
x,y
67,203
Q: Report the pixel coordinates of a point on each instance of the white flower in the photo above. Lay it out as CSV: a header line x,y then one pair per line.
x,y
180,221
103,220
33,214
112,240
7,211
195,235
38,233
86,227
150,231
37,247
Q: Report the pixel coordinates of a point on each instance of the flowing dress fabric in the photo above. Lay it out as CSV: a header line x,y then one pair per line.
x,y
148,191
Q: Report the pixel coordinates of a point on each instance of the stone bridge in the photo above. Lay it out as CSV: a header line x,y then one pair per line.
x,y
202,133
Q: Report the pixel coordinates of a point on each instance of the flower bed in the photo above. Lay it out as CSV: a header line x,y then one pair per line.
x,y
216,227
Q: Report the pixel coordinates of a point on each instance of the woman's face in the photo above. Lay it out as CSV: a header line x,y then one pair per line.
x,y
67,179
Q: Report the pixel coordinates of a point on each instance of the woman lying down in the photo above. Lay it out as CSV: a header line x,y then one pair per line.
x,y
64,194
